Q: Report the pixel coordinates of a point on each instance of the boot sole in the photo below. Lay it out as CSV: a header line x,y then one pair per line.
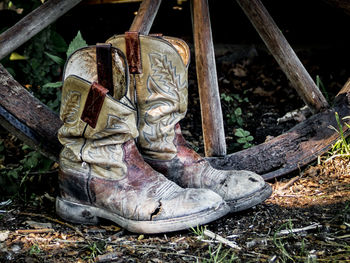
x,y
85,214
250,200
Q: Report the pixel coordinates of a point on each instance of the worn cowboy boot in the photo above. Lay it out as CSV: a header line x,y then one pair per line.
x,y
102,174
160,65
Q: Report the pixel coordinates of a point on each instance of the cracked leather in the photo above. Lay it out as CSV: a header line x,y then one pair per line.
x,y
135,196
101,166
162,103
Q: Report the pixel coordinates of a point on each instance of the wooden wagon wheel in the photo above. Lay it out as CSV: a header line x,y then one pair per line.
x,y
33,122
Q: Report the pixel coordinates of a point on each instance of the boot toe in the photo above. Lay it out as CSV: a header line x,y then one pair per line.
x,y
192,203
244,189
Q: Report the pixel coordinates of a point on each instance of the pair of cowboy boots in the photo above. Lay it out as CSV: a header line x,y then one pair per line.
x,y
105,109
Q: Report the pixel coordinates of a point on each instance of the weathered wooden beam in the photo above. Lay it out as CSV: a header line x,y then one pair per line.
x,y
145,16
284,54
35,124
33,23
294,149
212,121
27,118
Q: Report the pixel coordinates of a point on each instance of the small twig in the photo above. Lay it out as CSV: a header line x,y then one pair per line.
x,y
345,236
69,241
157,249
221,239
54,220
36,231
5,203
108,257
297,230
280,195
337,155
256,255
290,183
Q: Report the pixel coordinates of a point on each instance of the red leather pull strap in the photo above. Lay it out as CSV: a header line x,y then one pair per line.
x,y
93,104
104,66
133,52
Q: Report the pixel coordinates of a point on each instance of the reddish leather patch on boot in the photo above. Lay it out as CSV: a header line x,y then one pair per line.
x,y
104,66
133,52
93,104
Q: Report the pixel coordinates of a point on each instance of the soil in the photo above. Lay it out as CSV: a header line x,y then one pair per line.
x,y
307,218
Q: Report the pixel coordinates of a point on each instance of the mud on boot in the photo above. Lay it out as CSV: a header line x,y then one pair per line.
x,y
102,174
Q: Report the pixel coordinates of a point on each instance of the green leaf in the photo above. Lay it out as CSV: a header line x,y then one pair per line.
x,y
53,84
240,121
237,97
26,147
250,138
59,44
247,145
242,133
31,160
77,42
238,112
239,132
226,97
56,59
45,164
242,140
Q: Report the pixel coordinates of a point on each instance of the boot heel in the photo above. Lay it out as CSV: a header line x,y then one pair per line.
x,y
76,213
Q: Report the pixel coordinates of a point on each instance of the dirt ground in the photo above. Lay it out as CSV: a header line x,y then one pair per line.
x,y
307,218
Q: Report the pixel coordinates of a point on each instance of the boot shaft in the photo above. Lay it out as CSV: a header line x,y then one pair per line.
x,y
161,91
96,125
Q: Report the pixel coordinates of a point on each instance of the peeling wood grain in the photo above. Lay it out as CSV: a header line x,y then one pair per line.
x,y
33,23
211,112
293,149
26,117
284,54
145,16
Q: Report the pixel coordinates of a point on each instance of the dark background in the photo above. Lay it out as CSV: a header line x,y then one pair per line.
x,y
311,22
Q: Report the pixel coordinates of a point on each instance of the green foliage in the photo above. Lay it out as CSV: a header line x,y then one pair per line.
x,y
95,249
215,256
244,138
13,178
55,59
341,147
285,256
283,244
77,42
234,115
235,118
34,250
220,256
198,231
320,85
46,55
43,52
